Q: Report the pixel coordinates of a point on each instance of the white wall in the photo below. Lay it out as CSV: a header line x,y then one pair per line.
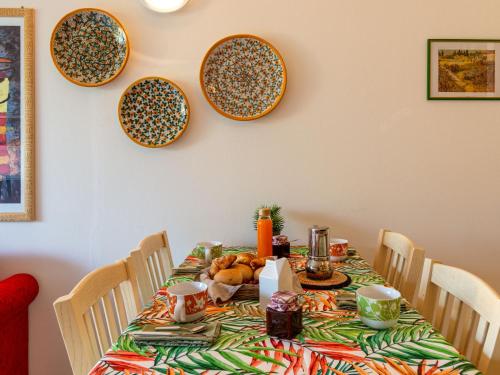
x,y
354,144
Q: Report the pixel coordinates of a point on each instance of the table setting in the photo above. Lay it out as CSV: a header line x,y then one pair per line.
x,y
316,309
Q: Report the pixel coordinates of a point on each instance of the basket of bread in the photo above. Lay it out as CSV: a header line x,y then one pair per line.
x,y
234,276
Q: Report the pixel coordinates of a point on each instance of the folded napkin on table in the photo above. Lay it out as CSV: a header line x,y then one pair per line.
x,y
188,269
150,335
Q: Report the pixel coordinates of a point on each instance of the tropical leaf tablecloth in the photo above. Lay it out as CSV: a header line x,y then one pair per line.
x,y
333,341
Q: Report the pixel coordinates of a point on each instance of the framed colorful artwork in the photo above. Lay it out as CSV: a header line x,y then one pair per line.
x,y
16,115
463,69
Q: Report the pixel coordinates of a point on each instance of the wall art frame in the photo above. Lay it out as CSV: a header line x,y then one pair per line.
x,y
17,105
463,69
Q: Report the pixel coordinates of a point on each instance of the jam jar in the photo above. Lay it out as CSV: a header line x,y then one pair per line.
x,y
284,315
281,246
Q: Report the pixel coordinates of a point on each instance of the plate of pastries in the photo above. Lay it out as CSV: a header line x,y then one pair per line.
x,y
237,269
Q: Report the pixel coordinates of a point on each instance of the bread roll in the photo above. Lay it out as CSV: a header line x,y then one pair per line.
x,y
246,271
244,258
214,268
229,276
257,273
221,263
259,262
226,261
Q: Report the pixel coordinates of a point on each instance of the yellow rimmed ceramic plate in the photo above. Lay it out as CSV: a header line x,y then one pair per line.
x,y
243,77
89,47
153,112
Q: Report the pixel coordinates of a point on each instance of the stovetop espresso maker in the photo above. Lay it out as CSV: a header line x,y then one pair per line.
x,y
318,266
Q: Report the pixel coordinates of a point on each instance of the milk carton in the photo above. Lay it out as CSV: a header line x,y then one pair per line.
x,y
277,275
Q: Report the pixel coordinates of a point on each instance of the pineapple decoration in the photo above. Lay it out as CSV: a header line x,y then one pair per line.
x,y
276,217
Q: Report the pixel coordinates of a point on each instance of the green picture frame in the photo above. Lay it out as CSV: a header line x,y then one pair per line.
x,y
463,69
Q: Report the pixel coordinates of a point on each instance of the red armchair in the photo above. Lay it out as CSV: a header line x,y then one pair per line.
x,y
16,294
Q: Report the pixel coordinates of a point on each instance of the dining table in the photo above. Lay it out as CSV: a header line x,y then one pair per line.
x,y
333,339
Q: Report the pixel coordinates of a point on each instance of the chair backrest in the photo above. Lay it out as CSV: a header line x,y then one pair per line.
x,y
151,264
94,313
464,308
399,262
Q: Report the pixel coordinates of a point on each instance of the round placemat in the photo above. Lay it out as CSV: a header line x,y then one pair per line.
x,y
337,281
153,112
89,47
243,77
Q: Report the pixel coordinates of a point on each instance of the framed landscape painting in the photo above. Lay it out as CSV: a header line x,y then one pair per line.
x,y
16,115
466,69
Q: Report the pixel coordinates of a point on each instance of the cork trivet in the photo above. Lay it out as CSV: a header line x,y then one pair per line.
x,y
337,281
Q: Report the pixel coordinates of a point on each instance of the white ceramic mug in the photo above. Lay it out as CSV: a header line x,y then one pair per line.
x,y
187,301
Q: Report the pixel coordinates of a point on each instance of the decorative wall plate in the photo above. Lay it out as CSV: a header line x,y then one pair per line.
x,y
153,112
89,47
243,77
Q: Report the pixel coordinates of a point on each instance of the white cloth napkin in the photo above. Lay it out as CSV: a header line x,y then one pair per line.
x,y
218,292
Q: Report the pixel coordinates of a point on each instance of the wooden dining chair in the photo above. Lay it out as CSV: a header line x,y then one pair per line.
x,y
399,262
94,313
151,264
464,308
424,282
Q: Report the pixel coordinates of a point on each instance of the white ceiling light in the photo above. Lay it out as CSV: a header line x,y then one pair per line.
x,y
164,6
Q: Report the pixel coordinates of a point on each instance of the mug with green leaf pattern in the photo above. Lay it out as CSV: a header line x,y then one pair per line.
x,y
378,306
207,251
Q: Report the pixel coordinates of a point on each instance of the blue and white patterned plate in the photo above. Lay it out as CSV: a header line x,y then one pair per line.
x,y
153,112
89,47
243,77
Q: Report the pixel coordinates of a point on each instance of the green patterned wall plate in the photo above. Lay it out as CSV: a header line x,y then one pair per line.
x,y
89,47
153,112
243,77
